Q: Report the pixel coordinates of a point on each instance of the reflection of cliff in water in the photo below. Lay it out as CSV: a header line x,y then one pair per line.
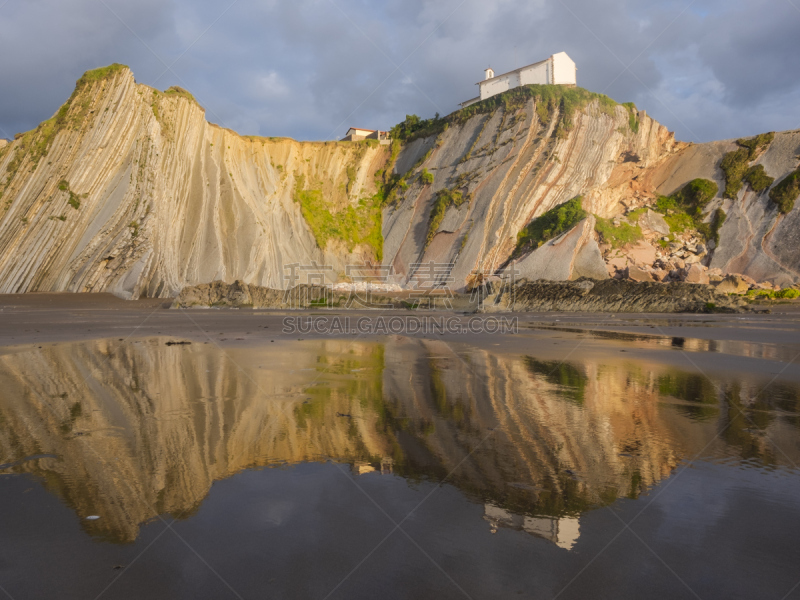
x,y
134,430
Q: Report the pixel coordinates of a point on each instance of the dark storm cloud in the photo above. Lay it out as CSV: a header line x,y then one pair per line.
x,y
308,69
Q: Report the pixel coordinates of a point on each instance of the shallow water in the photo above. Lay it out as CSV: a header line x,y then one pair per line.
x,y
408,468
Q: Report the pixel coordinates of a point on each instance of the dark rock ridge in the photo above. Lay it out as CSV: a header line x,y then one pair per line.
x,y
610,296
583,295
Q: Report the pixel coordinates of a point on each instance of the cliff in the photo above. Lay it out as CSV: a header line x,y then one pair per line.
x,y
515,162
130,190
525,157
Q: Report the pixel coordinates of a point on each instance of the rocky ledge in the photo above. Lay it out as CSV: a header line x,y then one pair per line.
x,y
583,295
612,296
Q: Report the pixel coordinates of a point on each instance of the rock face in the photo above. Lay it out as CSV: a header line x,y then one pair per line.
x,y
572,255
135,193
515,167
732,284
635,273
652,221
611,296
756,239
696,274
130,190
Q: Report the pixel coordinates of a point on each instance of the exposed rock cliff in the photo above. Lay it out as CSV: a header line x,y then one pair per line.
x,y
756,239
515,166
516,162
129,190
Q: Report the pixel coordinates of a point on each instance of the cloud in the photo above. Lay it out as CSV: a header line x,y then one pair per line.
x,y
267,86
307,69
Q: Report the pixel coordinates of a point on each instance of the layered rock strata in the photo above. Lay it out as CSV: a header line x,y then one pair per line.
x,y
130,190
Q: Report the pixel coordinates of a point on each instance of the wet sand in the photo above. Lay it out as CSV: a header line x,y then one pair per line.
x,y
765,344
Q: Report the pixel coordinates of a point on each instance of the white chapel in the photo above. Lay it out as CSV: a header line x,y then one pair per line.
x,y
558,69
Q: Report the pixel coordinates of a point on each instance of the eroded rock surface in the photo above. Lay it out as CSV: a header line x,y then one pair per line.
x,y
611,296
137,194
132,191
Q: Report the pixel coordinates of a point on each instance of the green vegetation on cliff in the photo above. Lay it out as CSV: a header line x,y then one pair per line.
x,y
717,220
684,209
74,200
617,235
786,192
388,182
734,164
549,100
691,198
553,223
412,127
633,116
179,92
757,143
444,199
99,74
758,179
352,225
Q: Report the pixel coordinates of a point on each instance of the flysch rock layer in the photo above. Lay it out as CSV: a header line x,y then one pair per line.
x,y
756,240
515,169
139,195
611,296
572,255
166,199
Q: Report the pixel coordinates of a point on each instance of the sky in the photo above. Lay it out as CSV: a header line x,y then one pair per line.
x,y
309,69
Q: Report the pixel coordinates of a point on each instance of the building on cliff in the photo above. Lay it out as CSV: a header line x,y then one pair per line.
x,y
559,69
355,134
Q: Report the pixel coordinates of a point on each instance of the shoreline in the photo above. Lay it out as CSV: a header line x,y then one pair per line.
x,y
761,344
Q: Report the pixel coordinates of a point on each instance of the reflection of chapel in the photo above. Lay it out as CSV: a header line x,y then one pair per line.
x,y
563,531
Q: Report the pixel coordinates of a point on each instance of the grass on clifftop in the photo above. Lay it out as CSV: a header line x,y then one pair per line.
x,y
99,74
353,225
179,91
549,98
36,143
553,223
